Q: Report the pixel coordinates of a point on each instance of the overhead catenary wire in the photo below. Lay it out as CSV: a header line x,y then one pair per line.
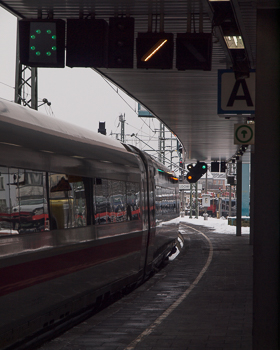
x,y
168,160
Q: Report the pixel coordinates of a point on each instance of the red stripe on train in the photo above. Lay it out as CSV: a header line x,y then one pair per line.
x,y
27,274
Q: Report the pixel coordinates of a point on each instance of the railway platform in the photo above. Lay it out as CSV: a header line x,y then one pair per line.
x,y
200,300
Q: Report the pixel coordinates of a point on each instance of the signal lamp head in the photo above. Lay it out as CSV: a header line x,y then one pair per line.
x,y
37,39
196,171
189,166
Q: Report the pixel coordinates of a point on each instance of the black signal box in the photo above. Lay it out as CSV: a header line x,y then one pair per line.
x,y
215,167
196,171
194,51
121,42
42,43
223,167
87,43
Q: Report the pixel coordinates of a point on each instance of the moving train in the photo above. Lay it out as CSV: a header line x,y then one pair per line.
x,y
82,216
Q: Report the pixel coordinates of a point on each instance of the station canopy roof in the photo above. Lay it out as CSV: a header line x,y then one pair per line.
x,y
184,100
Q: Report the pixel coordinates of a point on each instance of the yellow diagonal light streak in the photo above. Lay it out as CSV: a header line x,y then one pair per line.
x,y
153,50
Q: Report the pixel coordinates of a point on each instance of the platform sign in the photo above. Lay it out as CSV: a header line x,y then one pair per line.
x,y
206,200
244,134
184,187
187,187
235,96
143,112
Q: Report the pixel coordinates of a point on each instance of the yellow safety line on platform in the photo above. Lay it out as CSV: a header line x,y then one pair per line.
x,y
171,308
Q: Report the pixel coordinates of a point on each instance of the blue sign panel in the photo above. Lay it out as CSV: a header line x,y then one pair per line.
x,y
142,112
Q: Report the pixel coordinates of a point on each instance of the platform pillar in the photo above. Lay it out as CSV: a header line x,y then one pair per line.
x,y
266,330
239,198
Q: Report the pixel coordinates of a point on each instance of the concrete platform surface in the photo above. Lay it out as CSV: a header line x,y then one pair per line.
x,y
201,300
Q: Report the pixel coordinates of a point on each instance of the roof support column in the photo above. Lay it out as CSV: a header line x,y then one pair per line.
x,y
266,331
239,197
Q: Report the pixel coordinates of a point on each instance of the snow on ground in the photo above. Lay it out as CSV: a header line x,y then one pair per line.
x,y
219,225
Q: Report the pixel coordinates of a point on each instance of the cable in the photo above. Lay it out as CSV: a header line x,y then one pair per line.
x,y
124,99
12,87
118,93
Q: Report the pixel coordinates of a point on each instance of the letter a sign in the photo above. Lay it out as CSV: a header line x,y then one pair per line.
x,y
235,96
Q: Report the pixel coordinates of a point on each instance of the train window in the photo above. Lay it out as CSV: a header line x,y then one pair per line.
x,y
165,202
133,200
67,201
23,204
102,204
158,202
79,200
117,199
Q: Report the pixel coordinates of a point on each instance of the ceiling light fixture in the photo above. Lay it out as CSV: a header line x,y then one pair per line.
x,y
234,42
225,18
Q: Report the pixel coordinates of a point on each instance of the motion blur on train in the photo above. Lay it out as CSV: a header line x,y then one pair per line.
x,y
82,216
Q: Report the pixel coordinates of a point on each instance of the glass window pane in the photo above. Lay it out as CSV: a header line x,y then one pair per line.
x,y
117,201
133,200
102,204
61,202
6,222
32,202
79,200
67,201
23,203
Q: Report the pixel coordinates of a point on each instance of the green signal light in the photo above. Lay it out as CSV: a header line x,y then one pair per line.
x,y
38,53
32,48
49,31
38,31
54,48
32,36
54,37
203,166
48,53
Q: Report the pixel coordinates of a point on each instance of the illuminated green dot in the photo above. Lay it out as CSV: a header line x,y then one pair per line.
x,y
54,37
38,53
32,36
38,31
32,47
49,31
48,53
54,48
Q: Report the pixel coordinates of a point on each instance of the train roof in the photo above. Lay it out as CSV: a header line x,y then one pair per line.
x,y
32,140
24,130
17,115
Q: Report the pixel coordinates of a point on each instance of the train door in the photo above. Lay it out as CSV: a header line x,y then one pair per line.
x,y
145,221
151,216
148,210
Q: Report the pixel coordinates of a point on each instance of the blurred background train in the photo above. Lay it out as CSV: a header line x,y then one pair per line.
x,y
82,217
216,204
223,205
